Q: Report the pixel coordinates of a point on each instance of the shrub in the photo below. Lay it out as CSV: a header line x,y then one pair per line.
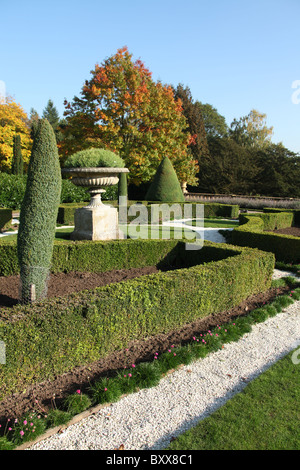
x,y
12,190
286,248
94,157
77,403
39,212
271,221
5,218
165,186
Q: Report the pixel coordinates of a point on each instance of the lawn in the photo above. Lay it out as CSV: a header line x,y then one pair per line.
x,y
213,223
265,416
151,232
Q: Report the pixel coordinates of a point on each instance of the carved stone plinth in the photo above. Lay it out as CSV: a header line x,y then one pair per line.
x,y
97,221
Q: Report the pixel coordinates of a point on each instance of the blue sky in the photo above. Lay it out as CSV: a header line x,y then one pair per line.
x,y
236,55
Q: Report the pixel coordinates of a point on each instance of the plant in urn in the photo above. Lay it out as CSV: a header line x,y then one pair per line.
x,y
95,169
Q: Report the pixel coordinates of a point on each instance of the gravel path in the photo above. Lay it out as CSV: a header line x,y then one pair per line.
x,y
148,419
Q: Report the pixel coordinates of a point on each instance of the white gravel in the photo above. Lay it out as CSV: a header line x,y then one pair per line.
x,y
148,419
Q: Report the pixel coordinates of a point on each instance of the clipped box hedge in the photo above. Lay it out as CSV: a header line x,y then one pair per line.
x,y
56,335
295,212
271,220
66,211
5,218
286,248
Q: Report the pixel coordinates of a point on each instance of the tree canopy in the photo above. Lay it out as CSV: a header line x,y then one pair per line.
x,y
13,120
123,109
251,130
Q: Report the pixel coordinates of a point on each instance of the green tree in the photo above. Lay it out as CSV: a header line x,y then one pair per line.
x,y
198,142
38,213
251,130
214,123
279,172
51,114
230,169
123,109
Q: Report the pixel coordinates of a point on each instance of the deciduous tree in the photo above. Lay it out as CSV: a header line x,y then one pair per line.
x,y
251,130
13,120
124,110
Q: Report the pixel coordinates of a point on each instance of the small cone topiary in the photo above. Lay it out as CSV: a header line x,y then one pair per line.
x,y
165,186
39,213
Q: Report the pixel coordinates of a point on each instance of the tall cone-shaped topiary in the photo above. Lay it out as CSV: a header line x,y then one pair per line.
x,y
17,160
39,213
122,186
165,186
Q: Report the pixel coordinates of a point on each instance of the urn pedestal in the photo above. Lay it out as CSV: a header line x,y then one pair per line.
x,y
96,221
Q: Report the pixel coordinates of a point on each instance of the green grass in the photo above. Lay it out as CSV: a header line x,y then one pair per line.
x,y
150,232
213,223
265,416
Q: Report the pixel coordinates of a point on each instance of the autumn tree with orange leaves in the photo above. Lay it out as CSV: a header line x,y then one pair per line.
x,y
121,108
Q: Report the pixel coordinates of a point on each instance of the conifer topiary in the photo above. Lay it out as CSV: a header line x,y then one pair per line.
x,y
165,186
17,160
122,186
39,213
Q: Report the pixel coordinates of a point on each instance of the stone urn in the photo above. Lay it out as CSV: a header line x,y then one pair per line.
x,y
96,221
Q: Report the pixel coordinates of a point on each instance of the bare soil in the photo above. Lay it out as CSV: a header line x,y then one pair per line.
x,y
54,391
294,231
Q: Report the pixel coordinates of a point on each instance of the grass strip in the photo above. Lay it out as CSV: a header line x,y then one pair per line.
x,y
264,416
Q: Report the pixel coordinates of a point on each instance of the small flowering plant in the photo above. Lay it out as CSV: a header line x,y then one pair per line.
x,y
77,403
28,428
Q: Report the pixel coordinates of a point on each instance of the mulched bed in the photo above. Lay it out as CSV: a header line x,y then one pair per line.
x,y
294,231
54,391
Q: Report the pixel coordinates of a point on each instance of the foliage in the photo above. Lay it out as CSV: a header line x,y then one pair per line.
x,y
55,335
94,157
122,185
13,120
165,186
12,190
286,248
5,218
51,114
228,169
66,211
148,374
39,211
279,171
251,130
233,168
17,160
214,123
196,127
123,109
254,419
77,403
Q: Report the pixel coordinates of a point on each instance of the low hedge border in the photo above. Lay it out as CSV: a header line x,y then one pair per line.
x,y
66,211
143,375
101,256
286,248
271,221
295,212
53,336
